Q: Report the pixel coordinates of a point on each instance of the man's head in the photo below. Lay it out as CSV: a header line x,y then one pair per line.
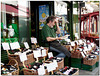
x,y
51,21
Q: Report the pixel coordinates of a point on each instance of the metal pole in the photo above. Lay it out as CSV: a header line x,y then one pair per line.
x,y
99,33
80,18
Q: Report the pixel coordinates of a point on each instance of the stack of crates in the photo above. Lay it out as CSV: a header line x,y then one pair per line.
x,y
88,67
76,62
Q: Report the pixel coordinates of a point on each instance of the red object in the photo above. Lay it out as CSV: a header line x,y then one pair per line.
x,y
86,33
15,10
29,65
26,66
65,68
50,57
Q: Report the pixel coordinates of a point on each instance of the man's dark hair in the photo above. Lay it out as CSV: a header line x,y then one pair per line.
x,y
50,18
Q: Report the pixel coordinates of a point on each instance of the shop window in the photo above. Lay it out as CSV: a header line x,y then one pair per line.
x,y
15,20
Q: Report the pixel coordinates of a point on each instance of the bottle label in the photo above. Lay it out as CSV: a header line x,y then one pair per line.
x,y
10,74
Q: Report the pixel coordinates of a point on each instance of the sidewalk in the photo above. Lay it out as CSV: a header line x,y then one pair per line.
x,y
94,72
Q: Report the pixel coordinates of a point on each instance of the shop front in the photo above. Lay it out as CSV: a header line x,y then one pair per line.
x,y
22,48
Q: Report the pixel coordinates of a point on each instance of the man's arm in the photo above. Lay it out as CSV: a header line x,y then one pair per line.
x,y
58,29
52,39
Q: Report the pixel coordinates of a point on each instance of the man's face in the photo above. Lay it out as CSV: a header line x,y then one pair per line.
x,y
53,23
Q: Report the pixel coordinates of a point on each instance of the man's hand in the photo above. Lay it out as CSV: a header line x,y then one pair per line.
x,y
52,39
59,38
58,29
56,21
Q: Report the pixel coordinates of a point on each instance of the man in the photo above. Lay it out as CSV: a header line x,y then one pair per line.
x,y
49,35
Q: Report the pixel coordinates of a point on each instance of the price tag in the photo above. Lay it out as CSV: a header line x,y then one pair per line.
x,y
84,40
41,47
92,44
72,44
9,73
55,63
5,46
88,41
76,35
76,42
80,41
84,44
50,67
33,40
83,54
71,48
68,40
80,49
23,56
28,50
89,47
26,45
41,70
85,48
14,45
43,53
17,53
17,46
50,54
37,53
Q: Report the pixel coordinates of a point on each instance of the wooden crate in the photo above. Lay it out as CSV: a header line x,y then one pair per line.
x,y
97,64
29,60
88,67
76,73
76,54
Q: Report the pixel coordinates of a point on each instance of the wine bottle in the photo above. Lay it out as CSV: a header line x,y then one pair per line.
x,y
58,60
72,71
57,73
30,52
65,69
61,70
7,69
29,66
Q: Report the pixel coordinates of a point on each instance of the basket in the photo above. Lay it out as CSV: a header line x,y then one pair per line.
x,y
67,46
89,62
97,57
13,62
76,54
40,58
60,64
27,71
30,59
76,73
